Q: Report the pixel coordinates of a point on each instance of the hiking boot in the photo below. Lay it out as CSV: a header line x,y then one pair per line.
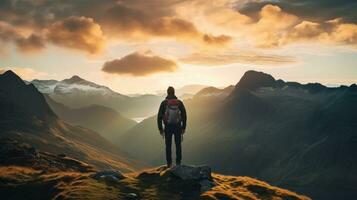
x,y
168,165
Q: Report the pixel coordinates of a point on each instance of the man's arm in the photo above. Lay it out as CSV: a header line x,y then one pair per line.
x,y
183,115
160,116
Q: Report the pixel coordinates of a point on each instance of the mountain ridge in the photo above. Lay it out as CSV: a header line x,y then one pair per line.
x,y
27,117
106,121
253,80
76,92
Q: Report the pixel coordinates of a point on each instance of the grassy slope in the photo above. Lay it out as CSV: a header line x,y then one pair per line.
x,y
26,173
24,182
76,142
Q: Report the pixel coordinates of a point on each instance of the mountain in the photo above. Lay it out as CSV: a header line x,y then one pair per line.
x,y
42,157
213,91
106,121
72,86
26,117
27,173
76,92
297,136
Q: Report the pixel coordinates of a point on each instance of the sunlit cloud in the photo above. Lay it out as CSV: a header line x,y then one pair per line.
x,y
273,27
140,64
33,43
277,28
85,26
311,10
215,24
25,42
79,33
269,27
230,57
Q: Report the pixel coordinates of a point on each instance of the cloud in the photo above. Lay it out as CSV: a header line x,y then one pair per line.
x,y
230,57
220,40
25,73
140,22
217,23
78,33
125,20
24,42
277,28
273,27
311,10
33,43
73,32
140,64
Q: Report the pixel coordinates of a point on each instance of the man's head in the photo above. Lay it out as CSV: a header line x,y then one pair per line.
x,y
170,91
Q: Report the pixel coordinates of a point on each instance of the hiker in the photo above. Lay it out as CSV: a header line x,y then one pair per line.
x,y
172,113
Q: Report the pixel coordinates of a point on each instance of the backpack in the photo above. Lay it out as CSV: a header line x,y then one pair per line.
x,y
172,112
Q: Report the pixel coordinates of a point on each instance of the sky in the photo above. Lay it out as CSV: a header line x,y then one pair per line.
x,y
141,46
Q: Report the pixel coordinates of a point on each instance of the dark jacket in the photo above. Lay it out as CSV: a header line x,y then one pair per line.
x,y
162,110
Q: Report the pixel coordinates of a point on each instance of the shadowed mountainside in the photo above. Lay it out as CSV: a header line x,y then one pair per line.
x,y
298,136
25,116
106,121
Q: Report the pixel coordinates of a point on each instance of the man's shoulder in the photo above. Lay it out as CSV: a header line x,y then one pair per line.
x,y
163,102
180,101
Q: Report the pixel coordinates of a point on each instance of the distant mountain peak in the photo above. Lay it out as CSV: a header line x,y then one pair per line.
x,y
252,80
11,78
74,79
10,74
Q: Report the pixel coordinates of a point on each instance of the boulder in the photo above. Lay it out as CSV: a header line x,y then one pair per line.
x,y
109,176
200,175
206,185
186,172
131,196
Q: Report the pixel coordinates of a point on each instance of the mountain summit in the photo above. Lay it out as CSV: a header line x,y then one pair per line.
x,y
252,80
10,76
21,101
74,79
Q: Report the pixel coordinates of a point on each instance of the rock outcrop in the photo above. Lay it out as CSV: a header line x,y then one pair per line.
x,y
200,175
108,176
191,182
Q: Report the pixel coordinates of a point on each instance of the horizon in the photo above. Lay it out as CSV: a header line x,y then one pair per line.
x,y
163,90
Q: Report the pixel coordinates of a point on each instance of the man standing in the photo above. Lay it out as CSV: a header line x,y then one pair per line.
x,y
172,113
